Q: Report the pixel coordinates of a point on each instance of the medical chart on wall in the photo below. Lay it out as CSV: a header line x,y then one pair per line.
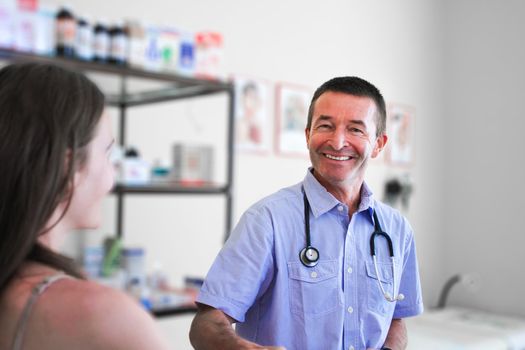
x,y
401,134
292,104
252,115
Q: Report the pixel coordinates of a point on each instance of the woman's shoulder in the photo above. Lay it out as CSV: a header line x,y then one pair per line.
x,y
97,315
71,313
87,301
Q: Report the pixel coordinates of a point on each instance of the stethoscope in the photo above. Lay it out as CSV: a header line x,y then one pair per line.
x,y
309,255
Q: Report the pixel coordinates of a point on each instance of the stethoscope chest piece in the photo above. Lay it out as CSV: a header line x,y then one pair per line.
x,y
309,256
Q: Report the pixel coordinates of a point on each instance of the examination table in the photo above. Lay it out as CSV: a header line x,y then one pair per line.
x,y
454,328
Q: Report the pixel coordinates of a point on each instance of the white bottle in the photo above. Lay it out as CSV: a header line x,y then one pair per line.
x,y
84,41
44,43
7,24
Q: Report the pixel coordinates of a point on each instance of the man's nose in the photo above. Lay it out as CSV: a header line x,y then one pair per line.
x,y
338,139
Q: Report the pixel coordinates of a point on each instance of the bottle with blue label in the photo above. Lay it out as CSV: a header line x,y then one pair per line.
x,y
152,53
187,54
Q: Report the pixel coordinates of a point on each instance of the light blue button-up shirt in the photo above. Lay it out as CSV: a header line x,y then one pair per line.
x,y
258,279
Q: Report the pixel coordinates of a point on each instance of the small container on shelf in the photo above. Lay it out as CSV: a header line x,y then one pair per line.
x,y
192,164
25,26
101,41
186,64
152,54
140,291
45,40
160,172
209,55
136,44
84,41
118,44
66,27
7,24
133,261
169,46
92,260
133,169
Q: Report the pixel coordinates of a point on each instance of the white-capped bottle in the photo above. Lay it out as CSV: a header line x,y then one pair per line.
x,y
84,42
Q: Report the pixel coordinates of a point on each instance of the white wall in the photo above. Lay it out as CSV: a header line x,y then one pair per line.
x,y
483,144
397,45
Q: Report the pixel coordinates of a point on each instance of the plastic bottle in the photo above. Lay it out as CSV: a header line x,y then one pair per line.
x,y
45,38
169,45
25,27
186,64
152,54
118,52
65,32
141,292
7,24
136,43
133,262
84,42
101,42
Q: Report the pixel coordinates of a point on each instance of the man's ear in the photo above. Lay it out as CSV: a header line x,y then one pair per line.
x,y
307,135
380,145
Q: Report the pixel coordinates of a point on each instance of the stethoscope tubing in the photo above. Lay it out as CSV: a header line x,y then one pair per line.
x,y
309,255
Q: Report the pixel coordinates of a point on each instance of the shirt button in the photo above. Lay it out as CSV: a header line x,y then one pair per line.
x,y
351,347
349,270
350,310
313,274
340,208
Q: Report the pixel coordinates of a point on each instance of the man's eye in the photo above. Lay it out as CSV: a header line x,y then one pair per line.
x,y
323,126
356,130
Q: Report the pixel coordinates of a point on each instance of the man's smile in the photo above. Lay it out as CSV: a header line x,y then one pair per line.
x,y
340,158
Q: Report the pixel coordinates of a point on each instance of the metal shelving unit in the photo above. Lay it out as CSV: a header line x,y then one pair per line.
x,y
174,87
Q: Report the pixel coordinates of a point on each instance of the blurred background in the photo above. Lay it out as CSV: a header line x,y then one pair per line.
x,y
453,75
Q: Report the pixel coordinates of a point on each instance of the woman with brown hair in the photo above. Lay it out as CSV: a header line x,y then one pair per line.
x,y
55,141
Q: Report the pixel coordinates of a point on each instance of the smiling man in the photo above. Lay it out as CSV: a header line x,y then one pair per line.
x,y
321,264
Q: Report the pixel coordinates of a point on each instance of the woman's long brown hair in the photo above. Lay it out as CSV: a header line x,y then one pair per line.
x,y
47,115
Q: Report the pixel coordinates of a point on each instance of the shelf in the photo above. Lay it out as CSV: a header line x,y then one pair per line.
x,y
176,86
170,189
125,86
174,311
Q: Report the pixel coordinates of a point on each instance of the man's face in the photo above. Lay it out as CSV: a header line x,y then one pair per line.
x,y
342,138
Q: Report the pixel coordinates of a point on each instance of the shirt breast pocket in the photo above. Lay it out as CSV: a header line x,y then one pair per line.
x,y
376,299
314,291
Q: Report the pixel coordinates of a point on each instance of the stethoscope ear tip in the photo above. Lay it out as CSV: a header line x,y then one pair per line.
x,y
399,297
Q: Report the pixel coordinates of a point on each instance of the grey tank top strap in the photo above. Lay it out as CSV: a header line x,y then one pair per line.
x,y
38,290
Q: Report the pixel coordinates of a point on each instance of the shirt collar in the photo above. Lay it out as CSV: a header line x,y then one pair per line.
x,y
322,201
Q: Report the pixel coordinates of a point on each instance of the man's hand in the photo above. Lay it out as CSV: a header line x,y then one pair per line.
x,y
211,329
397,338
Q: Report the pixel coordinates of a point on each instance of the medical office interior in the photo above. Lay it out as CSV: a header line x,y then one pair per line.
x,y
452,73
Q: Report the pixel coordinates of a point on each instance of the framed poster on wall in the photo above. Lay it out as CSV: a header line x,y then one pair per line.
x,y
252,115
292,102
400,131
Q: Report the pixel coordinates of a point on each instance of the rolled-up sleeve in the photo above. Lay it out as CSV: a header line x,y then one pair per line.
x,y
243,268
